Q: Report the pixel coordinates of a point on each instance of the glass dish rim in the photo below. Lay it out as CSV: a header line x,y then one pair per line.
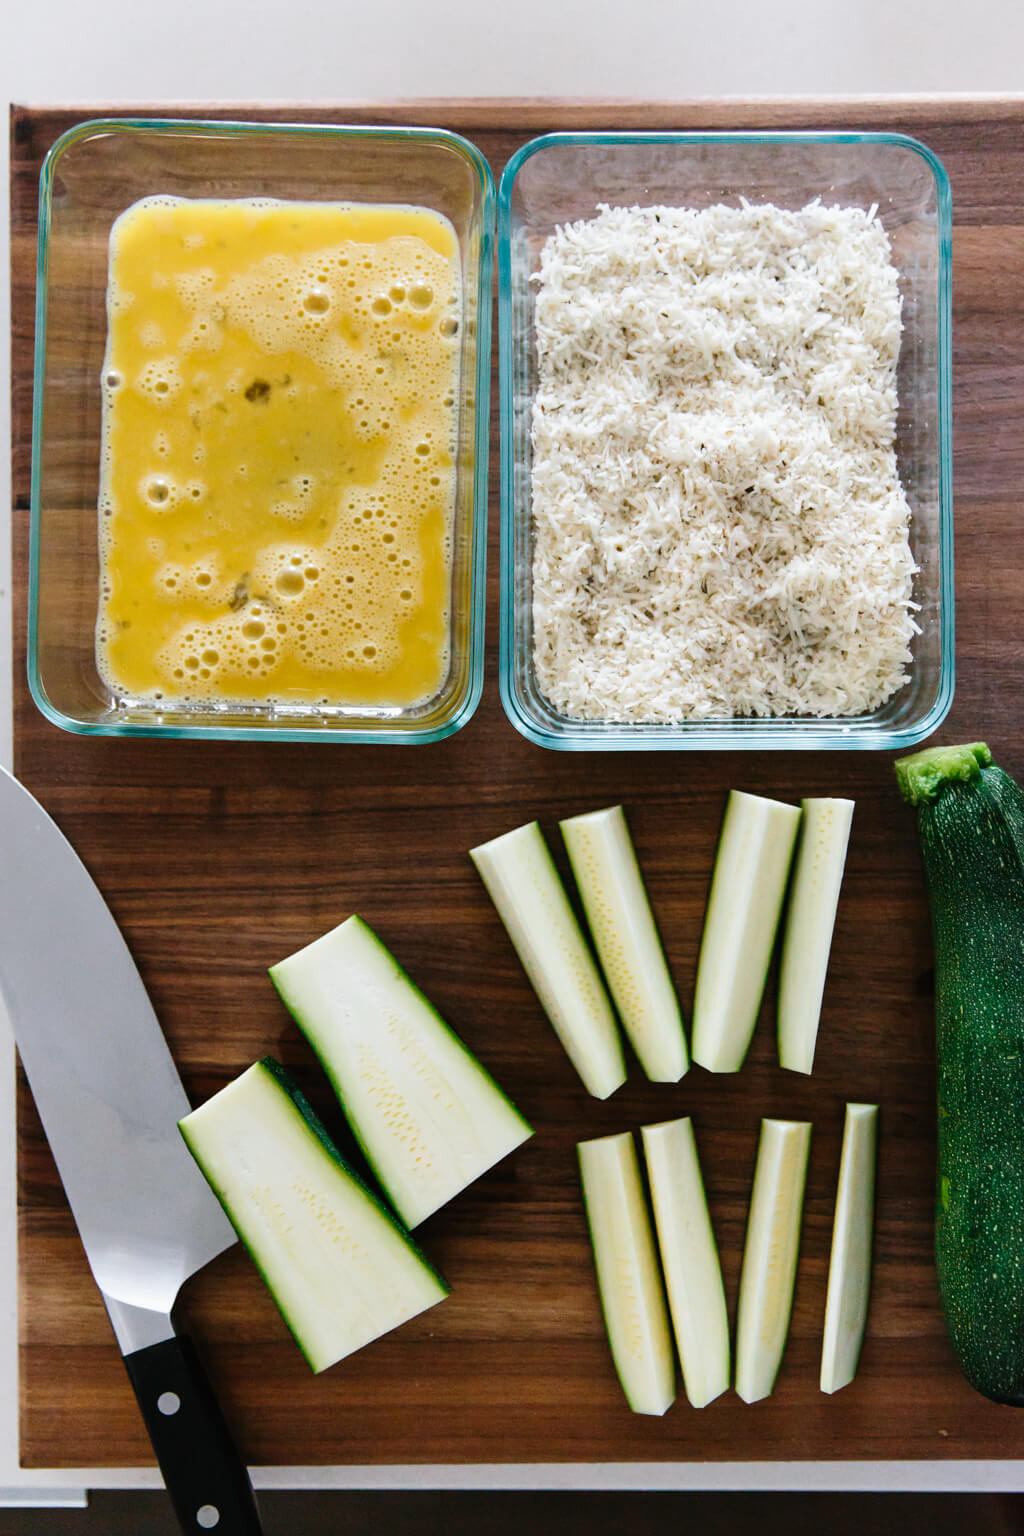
x,y
783,734
477,616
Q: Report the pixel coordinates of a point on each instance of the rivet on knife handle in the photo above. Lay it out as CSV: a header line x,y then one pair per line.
x,y
206,1479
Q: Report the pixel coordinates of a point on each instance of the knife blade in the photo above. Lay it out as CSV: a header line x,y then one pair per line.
x,y
110,1098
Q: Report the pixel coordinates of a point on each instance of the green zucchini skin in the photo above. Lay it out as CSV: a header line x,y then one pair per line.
x,y
971,827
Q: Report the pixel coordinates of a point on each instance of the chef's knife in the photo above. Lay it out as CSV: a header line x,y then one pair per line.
x,y
109,1097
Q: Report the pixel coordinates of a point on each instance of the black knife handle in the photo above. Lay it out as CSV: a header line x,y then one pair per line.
x,y
205,1477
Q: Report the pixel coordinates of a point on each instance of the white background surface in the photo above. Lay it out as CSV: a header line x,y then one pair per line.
x,y
348,51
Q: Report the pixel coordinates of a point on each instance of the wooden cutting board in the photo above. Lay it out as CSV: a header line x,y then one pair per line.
x,y
219,859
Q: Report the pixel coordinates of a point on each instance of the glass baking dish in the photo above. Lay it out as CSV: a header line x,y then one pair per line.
x,y
564,177
90,176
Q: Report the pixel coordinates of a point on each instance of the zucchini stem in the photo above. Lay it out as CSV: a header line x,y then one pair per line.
x,y
922,775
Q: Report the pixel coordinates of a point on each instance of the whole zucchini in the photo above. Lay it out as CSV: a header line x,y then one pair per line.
x,y
971,828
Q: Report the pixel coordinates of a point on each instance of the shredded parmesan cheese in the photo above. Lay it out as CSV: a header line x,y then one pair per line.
x,y
719,527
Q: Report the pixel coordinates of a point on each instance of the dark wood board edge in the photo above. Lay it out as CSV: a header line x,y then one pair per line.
x,y
518,113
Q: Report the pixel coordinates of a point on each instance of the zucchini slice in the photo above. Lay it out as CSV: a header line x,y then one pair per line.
x,y
524,885
337,1263
810,919
770,1255
628,1278
626,938
428,1117
849,1270
970,822
689,1258
747,889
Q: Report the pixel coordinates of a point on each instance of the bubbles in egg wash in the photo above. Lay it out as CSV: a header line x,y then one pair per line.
x,y
300,384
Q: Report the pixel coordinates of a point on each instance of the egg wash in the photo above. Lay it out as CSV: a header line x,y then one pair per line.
x,y
277,475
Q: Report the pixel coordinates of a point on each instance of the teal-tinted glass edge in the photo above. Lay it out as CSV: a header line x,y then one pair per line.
x,y
485,283
947,650
35,684
482,443
506,454
780,736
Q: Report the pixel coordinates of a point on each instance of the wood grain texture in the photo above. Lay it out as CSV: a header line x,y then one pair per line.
x,y
219,859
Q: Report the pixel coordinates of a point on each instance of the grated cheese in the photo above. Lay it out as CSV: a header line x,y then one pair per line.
x,y
719,526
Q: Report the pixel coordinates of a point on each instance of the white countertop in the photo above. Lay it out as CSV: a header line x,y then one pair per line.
x,y
348,51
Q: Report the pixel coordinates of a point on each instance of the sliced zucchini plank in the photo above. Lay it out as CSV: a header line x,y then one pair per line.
x,y
849,1270
628,1278
810,920
626,938
524,885
770,1255
338,1265
689,1258
747,889
428,1116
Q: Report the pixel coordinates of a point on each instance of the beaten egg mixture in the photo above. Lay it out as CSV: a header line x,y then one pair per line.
x,y
278,453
